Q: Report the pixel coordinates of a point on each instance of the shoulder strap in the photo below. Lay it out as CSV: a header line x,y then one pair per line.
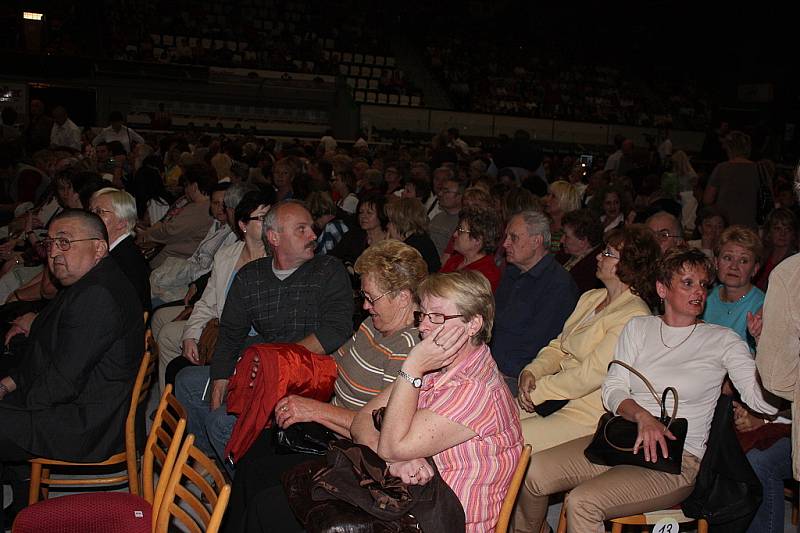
x,y
661,401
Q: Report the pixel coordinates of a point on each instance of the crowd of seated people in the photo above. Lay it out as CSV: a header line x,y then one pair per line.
x,y
483,75
481,278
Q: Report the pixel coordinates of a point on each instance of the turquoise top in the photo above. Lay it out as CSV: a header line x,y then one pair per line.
x,y
734,314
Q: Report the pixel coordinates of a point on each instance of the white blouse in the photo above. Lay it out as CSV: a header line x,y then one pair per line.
x,y
696,366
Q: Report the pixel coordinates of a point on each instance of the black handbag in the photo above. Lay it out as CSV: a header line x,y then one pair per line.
x,y
310,438
549,407
613,441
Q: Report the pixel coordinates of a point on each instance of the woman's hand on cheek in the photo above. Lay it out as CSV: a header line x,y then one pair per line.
x,y
437,350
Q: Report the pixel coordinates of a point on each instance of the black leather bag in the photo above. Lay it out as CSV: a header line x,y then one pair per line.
x,y
310,438
613,441
549,407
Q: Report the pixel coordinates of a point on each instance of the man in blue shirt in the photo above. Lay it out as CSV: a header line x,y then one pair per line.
x,y
534,298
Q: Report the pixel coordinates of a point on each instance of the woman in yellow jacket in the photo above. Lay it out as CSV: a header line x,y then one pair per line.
x,y
572,366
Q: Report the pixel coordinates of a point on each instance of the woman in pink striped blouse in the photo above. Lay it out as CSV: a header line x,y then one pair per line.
x,y
450,402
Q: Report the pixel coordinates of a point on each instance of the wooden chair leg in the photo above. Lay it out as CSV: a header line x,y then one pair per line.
x,y
35,484
562,519
702,526
133,477
45,487
616,528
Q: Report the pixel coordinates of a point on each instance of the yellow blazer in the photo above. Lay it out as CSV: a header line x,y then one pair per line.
x,y
574,364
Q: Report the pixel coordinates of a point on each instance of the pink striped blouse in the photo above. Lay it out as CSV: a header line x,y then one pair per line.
x,y
480,469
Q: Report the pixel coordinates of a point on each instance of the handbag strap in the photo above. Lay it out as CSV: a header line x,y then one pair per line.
x,y
661,401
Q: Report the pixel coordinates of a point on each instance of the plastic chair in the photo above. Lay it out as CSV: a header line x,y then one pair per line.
x,y
513,490
116,511
189,486
41,480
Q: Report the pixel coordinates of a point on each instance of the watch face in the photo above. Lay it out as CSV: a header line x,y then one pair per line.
x,y
417,382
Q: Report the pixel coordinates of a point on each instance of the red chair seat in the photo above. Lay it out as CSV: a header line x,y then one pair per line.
x,y
101,512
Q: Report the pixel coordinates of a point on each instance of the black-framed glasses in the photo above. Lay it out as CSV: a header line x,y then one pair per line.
x,y
462,230
435,318
608,253
63,243
260,218
372,300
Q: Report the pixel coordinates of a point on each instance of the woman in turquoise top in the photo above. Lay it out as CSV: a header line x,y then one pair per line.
x,y
735,298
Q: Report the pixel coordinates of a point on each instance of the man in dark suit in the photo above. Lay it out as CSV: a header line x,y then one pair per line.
x,y
69,396
118,210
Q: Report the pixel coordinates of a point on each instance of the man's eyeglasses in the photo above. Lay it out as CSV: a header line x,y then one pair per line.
x,y
608,253
462,230
260,218
63,243
664,234
435,318
372,300
99,211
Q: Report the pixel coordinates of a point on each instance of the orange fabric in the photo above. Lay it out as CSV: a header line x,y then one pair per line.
x,y
283,369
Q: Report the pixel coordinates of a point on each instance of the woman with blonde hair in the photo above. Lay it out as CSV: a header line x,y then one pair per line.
x,y
450,402
562,198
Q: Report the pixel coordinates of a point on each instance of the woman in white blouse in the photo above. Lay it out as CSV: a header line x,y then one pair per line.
x,y
675,349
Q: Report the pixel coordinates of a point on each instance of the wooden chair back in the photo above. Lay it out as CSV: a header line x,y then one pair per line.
x,y
196,494
163,445
513,490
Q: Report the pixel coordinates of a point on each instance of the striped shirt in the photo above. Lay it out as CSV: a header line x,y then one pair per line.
x,y
368,363
479,470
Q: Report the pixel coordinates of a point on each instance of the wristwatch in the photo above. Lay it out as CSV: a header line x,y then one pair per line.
x,y
415,382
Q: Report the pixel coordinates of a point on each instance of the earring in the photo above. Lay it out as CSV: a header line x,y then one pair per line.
x,y
244,230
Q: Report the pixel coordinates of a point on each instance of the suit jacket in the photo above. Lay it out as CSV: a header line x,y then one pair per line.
x,y
75,381
133,265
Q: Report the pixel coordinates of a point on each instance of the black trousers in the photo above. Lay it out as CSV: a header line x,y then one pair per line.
x,y
12,455
257,493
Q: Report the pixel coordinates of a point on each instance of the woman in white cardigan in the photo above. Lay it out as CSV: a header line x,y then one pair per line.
x,y
180,337
675,349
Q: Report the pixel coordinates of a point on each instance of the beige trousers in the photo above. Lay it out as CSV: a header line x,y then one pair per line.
x,y
597,492
168,335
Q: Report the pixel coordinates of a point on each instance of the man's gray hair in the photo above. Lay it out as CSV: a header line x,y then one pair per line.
x,y
122,203
271,220
235,193
537,224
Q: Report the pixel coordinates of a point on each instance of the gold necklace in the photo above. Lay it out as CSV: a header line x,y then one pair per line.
x,y
661,333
